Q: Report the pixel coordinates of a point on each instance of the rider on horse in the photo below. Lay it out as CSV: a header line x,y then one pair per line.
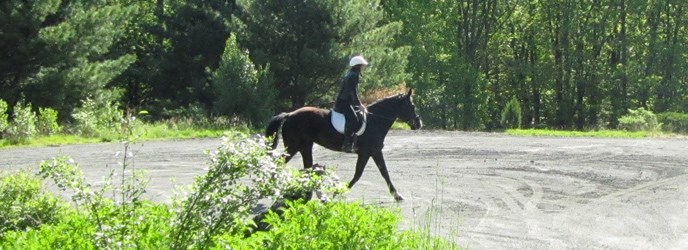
x,y
347,101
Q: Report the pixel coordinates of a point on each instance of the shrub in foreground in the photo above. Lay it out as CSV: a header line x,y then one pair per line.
x,y
336,225
76,230
24,204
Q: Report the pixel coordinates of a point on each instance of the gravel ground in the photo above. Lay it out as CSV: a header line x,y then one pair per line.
x,y
483,190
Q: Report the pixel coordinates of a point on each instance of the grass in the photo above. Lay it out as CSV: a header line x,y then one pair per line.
x,y
399,125
599,133
158,131
162,131
148,132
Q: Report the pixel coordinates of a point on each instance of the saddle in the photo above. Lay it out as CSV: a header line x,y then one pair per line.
x,y
338,121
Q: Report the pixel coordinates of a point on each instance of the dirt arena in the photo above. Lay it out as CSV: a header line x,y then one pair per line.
x,y
482,190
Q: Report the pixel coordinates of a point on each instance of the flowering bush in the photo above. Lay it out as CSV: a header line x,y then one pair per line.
x,y
242,172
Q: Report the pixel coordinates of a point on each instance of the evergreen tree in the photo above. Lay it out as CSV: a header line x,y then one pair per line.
x,y
242,89
194,36
65,56
20,50
511,114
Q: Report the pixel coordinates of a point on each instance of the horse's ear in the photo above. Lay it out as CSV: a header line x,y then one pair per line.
x,y
410,92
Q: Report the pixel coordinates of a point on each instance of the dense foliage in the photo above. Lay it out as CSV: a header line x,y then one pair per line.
x,y
674,122
25,204
570,64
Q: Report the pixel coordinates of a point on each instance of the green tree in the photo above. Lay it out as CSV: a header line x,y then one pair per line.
x,y
242,89
448,57
65,56
194,35
511,114
20,49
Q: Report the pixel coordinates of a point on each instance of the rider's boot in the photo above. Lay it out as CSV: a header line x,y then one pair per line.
x,y
348,145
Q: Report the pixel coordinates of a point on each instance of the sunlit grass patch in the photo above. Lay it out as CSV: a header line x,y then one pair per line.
x,y
163,131
400,125
156,131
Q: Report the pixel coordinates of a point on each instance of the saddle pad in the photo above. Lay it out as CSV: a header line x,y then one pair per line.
x,y
338,120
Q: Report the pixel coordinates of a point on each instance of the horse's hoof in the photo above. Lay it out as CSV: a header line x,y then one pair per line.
x,y
398,197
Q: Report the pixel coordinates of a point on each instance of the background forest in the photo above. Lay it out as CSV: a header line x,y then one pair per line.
x,y
560,64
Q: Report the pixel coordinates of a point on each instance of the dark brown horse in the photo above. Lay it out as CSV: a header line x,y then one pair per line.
x,y
305,126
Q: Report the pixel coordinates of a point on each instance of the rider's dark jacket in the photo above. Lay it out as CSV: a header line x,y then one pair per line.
x,y
348,93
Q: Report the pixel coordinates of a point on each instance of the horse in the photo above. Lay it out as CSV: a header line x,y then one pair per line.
x,y
307,125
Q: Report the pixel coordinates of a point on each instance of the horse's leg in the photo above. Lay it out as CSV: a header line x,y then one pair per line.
x,y
360,166
291,151
307,155
380,162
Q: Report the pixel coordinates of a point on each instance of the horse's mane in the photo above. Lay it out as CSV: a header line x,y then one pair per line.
x,y
385,100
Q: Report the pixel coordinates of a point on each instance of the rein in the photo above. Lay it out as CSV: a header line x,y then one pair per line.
x,y
382,116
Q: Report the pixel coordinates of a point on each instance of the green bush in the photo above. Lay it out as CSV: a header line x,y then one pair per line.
x,y
115,218
99,116
511,115
23,125
639,120
4,118
242,173
674,122
76,230
73,232
47,121
242,89
24,204
335,225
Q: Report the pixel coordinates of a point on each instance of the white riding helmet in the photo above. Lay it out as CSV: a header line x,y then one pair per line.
x,y
356,60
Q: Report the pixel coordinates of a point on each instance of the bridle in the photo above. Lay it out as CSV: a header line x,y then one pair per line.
x,y
416,116
390,118
382,116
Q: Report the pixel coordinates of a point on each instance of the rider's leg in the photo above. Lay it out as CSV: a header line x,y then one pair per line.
x,y
349,129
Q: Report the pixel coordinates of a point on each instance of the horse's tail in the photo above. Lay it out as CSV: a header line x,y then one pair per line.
x,y
273,128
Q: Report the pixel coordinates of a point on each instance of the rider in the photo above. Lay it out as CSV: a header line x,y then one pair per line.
x,y
347,101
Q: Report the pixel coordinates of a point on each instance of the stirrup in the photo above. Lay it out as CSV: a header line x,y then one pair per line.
x,y
349,148
349,144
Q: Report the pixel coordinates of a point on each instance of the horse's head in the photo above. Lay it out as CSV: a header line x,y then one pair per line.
x,y
407,112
